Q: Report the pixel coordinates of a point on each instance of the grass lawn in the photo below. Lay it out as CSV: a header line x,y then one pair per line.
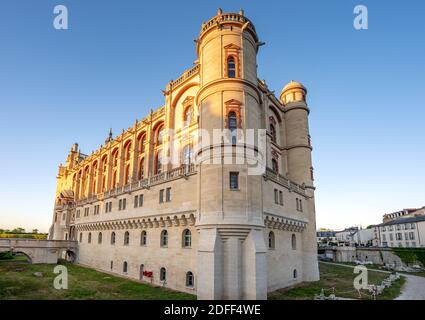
x,y
341,278
17,282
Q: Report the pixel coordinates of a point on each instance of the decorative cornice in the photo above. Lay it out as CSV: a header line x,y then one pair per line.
x,y
274,221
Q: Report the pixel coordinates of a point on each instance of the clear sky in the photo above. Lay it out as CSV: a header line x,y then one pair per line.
x,y
366,91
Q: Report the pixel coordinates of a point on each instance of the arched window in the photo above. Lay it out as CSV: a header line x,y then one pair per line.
x,y
275,166
89,240
125,267
164,238
187,238
141,142
159,135
189,279
126,238
187,155
143,238
232,125
188,115
295,273
271,240
163,274
127,174
81,237
294,242
141,171
158,162
113,238
115,157
231,67
99,238
128,151
273,132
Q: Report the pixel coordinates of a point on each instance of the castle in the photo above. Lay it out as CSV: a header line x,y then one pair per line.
x,y
201,224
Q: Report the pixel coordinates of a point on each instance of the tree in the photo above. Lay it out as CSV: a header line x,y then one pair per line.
x,y
35,231
18,230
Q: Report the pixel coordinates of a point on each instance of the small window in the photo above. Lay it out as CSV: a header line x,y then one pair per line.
x,y
295,273
168,195
161,196
163,274
81,237
232,126
276,196
141,200
143,238
164,238
120,205
275,166
294,242
189,279
271,240
231,67
281,198
234,180
99,238
136,201
126,238
273,132
187,238
113,238
124,203
125,267
112,265
158,162
89,240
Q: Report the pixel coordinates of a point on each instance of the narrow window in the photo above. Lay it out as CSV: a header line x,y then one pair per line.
x,y
126,238
136,201
189,279
143,238
113,238
161,196
294,242
275,166
112,265
271,240
231,67
158,162
276,196
163,274
120,205
124,203
234,180
89,240
295,273
141,168
81,237
99,238
273,132
232,126
168,195
281,198
125,267
164,238
141,200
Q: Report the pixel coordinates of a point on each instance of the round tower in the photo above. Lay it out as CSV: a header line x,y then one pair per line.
x,y
231,245
293,97
300,170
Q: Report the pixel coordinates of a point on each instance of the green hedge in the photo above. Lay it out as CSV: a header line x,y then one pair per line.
x,y
6,256
411,255
40,236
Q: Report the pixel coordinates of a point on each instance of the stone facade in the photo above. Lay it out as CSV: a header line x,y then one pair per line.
x,y
204,226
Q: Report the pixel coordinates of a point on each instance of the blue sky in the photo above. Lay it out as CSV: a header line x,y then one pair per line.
x,y
366,91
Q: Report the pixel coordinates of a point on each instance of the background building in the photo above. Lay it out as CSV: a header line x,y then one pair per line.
x,y
405,228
